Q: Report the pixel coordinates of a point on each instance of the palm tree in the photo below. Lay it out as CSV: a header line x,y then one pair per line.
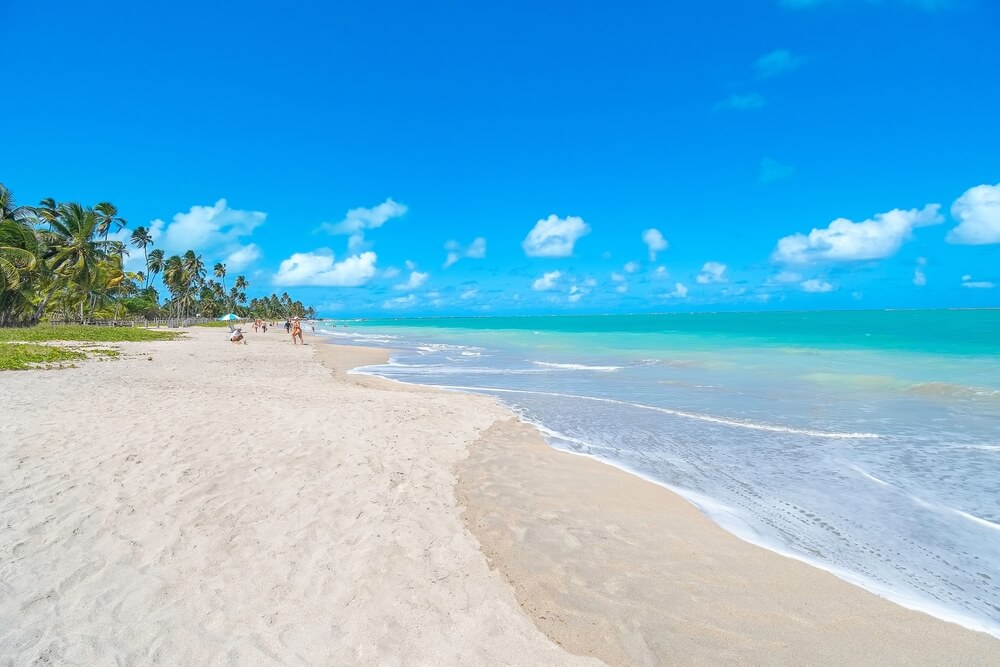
x,y
220,272
195,267
154,264
241,283
18,258
107,215
173,273
47,209
71,250
141,239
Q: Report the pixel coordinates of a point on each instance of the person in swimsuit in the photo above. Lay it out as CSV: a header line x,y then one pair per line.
x,y
297,331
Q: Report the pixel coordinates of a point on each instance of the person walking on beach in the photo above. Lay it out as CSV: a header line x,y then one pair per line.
x,y
297,331
288,325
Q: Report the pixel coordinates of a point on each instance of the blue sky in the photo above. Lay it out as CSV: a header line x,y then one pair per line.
x,y
452,157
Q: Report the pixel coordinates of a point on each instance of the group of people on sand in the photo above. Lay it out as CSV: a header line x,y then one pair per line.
x,y
292,326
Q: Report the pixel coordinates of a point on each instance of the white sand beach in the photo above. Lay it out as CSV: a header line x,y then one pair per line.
x,y
197,502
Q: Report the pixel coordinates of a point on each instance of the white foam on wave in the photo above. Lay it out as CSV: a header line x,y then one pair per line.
x,y
774,428
975,519
873,478
443,369
934,507
577,367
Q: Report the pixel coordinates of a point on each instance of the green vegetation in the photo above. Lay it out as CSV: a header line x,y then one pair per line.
x,y
103,352
76,332
67,261
24,356
213,324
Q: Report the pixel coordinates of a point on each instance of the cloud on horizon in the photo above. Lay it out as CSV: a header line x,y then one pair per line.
x,y
320,268
846,241
547,281
654,242
216,231
554,236
712,272
978,215
817,286
357,220
475,250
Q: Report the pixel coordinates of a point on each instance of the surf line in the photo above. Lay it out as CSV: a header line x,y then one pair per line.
x,y
675,413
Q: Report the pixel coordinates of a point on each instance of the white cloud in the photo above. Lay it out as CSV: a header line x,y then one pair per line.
x,y
357,220
967,281
617,277
785,277
361,218
978,215
712,272
680,291
661,272
631,267
243,257
547,281
919,278
621,289
817,285
410,265
390,273
400,302
416,280
847,241
655,242
576,293
748,102
554,236
215,229
780,61
475,250
470,293
320,268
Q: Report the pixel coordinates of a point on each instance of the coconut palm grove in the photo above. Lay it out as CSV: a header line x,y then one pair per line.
x,y
65,262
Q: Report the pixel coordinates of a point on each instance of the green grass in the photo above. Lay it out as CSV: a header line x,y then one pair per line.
x,y
23,356
103,352
213,324
76,332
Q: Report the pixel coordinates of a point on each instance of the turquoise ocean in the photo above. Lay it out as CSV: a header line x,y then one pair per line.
x,y
866,443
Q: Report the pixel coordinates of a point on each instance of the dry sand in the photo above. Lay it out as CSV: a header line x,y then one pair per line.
x,y
221,504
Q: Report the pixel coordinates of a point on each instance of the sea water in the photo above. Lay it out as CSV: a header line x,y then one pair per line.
x,y
864,442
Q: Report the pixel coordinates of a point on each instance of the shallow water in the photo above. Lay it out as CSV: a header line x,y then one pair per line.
x,y
867,443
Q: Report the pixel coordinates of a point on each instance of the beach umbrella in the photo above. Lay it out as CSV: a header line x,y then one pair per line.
x,y
230,316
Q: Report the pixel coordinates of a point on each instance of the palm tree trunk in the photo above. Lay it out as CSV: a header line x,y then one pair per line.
x,y
44,304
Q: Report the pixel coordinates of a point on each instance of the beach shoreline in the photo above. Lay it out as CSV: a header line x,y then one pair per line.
x,y
867,624
256,502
